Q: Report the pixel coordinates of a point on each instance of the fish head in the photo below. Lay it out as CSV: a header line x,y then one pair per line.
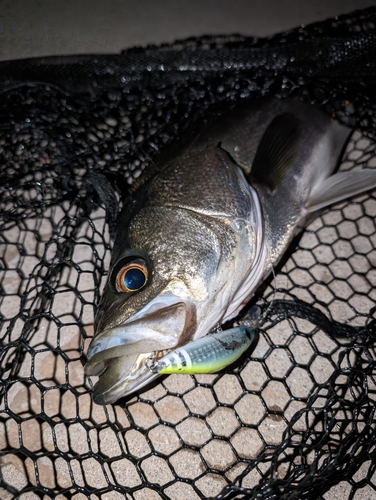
x,y
174,270
155,299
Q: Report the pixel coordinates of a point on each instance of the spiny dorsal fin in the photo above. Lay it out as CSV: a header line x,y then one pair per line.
x,y
276,152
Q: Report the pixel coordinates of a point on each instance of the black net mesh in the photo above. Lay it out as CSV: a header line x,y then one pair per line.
x,y
295,419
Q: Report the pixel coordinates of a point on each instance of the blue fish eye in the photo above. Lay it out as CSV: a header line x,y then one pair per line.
x,y
132,276
134,279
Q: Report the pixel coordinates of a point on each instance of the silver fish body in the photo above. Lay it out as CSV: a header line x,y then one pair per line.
x,y
194,243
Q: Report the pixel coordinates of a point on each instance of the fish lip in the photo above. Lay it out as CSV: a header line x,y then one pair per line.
x,y
160,302
124,387
103,398
130,344
113,337
107,392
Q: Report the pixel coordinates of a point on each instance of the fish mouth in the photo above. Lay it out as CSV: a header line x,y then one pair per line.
x,y
122,356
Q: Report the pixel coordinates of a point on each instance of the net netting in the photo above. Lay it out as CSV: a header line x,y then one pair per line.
x,y
296,417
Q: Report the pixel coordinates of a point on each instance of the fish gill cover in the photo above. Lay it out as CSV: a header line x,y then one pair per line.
x,y
296,418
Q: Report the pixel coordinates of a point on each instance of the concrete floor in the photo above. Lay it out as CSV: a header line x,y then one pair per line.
x,y
30,28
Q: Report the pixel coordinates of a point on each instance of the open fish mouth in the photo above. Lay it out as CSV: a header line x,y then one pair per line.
x,y
122,356
122,375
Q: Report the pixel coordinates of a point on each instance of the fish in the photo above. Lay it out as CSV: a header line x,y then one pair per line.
x,y
196,240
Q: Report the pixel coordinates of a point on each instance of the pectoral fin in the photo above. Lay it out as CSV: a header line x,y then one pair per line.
x,y
276,152
340,186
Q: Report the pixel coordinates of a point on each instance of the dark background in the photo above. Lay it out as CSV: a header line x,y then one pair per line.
x,y
31,28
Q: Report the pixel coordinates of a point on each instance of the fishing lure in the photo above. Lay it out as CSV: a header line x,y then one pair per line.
x,y
208,354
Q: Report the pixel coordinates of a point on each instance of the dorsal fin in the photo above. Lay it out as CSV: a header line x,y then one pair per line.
x,y
276,152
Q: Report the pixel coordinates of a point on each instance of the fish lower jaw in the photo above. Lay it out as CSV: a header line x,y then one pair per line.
x,y
133,382
116,381
122,357
102,398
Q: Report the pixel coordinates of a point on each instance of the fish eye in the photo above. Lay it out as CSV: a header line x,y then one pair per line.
x,y
132,276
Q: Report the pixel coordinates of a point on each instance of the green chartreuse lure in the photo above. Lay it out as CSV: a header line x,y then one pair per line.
x,y
208,354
